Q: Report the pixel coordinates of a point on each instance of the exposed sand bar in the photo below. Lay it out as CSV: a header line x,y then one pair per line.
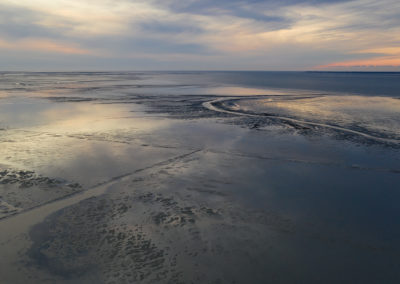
x,y
211,106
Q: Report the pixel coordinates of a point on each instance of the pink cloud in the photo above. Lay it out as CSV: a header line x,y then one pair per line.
x,y
371,62
43,45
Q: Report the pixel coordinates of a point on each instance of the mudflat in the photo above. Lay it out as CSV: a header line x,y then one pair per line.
x,y
162,177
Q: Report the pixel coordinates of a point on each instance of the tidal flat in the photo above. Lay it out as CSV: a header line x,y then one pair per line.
x,y
199,177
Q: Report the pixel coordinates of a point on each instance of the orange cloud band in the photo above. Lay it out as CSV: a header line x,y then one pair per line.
x,y
372,62
43,45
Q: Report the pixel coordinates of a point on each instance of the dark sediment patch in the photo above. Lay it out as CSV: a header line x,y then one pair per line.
x,y
180,107
21,190
70,99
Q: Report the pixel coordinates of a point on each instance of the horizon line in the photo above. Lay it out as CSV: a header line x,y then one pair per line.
x,y
194,70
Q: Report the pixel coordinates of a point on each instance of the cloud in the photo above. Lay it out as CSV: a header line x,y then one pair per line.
x,y
372,62
170,27
43,45
16,22
242,34
384,57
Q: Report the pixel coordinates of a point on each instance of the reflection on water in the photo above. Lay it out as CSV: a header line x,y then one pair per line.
x,y
178,193
84,142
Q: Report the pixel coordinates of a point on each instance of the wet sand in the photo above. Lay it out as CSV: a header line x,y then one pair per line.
x,y
142,179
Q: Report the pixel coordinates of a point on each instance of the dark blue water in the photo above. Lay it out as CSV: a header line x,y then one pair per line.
x,y
364,83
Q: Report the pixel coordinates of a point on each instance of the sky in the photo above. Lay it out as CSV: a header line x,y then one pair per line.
x,y
58,35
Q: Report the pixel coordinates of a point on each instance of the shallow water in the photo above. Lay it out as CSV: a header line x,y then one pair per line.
x,y
203,177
